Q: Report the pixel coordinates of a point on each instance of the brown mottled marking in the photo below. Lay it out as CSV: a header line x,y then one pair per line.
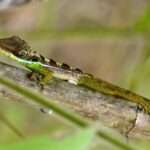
x,y
53,63
65,66
43,59
77,70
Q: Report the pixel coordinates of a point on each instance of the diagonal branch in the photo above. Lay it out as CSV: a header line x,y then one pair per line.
x,y
113,112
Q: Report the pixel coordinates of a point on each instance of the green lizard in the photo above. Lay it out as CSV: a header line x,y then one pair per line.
x,y
17,49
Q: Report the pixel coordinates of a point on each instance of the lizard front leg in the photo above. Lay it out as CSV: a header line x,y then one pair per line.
x,y
41,78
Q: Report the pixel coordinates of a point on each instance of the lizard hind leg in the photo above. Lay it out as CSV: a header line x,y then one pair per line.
x,y
46,77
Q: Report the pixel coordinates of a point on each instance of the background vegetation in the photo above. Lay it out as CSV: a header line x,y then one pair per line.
x,y
109,39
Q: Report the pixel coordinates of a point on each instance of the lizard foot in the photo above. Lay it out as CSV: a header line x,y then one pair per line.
x,y
37,78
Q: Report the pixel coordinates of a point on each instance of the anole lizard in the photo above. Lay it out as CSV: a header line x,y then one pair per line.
x,y
18,50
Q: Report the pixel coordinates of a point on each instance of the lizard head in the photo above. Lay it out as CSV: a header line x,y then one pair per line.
x,y
14,44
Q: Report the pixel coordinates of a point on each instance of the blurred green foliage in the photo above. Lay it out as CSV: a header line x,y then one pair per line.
x,y
80,141
32,122
143,23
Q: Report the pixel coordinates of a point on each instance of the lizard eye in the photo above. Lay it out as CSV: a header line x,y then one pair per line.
x,y
34,58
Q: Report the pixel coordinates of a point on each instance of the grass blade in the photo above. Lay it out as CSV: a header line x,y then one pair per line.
x,y
74,118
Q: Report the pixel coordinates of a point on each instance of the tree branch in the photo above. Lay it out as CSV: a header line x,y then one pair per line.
x,y
113,112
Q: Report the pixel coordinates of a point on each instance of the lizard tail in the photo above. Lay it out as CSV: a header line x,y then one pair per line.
x,y
110,89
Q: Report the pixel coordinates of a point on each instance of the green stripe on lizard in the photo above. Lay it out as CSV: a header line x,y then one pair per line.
x,y
22,54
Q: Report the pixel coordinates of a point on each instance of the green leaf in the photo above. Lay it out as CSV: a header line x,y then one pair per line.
x,y
6,121
79,141
143,23
142,144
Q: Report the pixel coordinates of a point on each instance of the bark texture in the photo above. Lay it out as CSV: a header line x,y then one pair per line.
x,y
113,112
